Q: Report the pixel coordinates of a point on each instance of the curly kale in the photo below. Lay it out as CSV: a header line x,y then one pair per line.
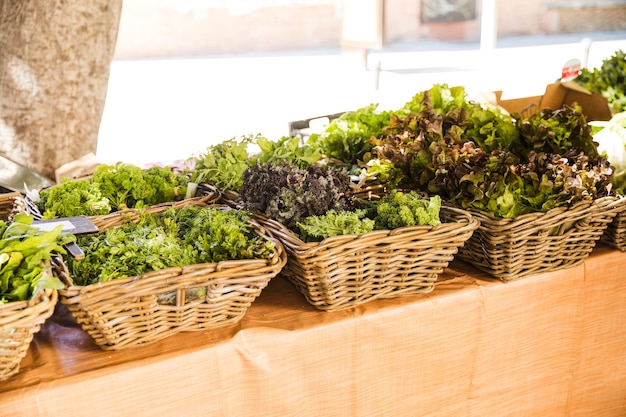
x,y
72,198
289,194
112,188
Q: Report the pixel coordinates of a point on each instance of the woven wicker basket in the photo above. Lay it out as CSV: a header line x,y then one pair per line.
x,y
11,204
142,309
345,271
19,321
510,249
615,233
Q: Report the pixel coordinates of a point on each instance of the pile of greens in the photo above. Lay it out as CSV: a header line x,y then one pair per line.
x,y
111,188
24,250
174,238
223,164
394,210
288,194
608,80
347,139
480,158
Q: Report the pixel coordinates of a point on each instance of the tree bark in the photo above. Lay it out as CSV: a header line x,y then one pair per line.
x,y
55,58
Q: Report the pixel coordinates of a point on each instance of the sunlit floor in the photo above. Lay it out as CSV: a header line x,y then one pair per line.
x,y
165,110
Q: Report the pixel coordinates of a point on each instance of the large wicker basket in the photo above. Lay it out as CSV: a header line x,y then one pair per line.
x,y
142,309
345,271
19,321
510,249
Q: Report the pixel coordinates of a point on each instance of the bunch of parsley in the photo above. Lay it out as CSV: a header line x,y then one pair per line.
x,y
111,188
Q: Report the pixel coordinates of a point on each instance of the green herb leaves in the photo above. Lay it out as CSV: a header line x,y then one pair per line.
x,y
24,250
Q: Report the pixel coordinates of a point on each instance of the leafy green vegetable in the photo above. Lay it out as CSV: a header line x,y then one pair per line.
x,y
399,209
129,186
289,194
347,138
223,164
608,80
111,188
24,249
175,238
73,198
286,148
334,223
555,131
480,158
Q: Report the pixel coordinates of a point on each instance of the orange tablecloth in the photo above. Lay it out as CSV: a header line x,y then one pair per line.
x,y
553,344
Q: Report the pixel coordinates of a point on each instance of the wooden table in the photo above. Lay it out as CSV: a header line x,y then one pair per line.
x,y
552,344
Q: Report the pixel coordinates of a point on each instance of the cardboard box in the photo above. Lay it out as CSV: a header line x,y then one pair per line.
x,y
594,106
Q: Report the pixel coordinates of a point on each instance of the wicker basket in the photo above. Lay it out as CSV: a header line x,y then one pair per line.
x,y
143,309
615,233
11,204
345,271
19,321
510,249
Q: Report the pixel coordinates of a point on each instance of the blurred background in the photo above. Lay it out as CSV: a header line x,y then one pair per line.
x,y
191,73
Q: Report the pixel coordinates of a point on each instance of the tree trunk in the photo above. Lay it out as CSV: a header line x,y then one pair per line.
x,y
55,58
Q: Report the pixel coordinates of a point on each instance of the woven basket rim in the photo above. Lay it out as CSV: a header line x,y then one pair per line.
x,y
43,295
292,242
615,203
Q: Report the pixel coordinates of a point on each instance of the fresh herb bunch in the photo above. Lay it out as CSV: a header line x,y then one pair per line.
x,y
111,188
334,223
223,164
347,138
289,194
24,249
609,80
287,148
175,238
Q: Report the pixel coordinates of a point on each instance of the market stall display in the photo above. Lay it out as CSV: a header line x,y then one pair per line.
x,y
169,269
28,285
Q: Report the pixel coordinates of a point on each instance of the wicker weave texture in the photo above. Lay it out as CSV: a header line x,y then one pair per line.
x,y
143,309
19,321
11,204
345,271
615,233
511,249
